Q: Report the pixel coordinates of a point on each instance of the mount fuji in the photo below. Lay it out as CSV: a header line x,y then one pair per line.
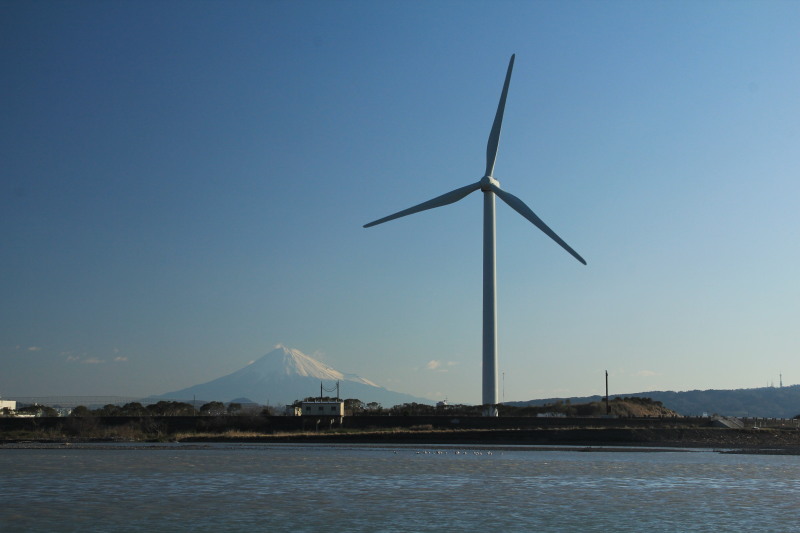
x,y
285,375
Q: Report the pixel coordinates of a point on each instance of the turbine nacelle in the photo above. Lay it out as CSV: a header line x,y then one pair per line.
x,y
487,183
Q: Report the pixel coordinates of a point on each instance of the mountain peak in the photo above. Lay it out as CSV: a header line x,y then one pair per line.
x,y
285,363
286,374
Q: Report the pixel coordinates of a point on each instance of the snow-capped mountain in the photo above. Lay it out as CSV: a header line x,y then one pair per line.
x,y
285,375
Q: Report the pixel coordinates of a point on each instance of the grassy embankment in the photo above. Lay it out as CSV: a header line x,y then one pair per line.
x,y
638,423
671,435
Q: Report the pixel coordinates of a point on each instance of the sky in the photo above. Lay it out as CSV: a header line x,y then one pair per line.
x,y
183,186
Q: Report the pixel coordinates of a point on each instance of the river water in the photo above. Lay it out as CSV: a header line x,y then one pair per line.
x,y
362,488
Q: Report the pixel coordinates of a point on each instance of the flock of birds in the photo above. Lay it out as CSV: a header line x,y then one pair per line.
x,y
457,452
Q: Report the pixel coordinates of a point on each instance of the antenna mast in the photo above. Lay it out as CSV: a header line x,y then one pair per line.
x,y
329,390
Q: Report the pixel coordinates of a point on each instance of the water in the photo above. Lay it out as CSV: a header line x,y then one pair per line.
x,y
301,488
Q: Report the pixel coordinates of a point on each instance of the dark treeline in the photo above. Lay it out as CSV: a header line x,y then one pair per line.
x,y
623,407
618,407
136,409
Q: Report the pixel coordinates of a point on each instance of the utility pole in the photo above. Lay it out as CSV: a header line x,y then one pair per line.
x,y
608,407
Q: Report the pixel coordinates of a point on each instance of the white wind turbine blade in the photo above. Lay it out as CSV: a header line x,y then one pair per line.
x,y
494,136
519,206
445,199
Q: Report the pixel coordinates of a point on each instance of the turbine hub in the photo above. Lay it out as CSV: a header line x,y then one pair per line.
x,y
487,182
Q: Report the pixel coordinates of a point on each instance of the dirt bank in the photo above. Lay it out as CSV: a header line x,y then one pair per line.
x,y
727,439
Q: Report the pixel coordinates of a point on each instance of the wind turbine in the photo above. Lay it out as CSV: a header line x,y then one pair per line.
x,y
490,188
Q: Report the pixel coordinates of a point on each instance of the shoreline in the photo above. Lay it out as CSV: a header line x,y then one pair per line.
x,y
765,442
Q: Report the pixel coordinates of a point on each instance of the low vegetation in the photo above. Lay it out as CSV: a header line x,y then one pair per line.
x,y
170,420
618,407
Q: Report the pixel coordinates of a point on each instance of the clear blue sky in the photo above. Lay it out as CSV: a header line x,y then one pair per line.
x,y
184,186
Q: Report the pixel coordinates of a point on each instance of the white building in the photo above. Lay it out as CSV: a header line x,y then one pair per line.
x,y
292,410
323,408
323,411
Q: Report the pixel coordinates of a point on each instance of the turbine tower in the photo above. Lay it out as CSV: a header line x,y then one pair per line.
x,y
490,187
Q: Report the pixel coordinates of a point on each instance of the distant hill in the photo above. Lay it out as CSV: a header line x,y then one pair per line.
x,y
285,375
766,402
621,407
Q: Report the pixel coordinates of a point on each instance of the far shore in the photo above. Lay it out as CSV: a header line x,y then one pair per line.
x,y
785,442
578,439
